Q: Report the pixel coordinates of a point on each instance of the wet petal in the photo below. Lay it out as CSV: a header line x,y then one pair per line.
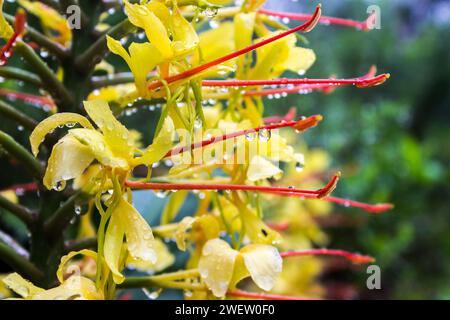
x,y
113,245
264,263
181,232
185,39
99,147
65,259
260,168
51,123
139,236
256,229
116,135
165,259
68,160
22,287
161,145
216,266
142,17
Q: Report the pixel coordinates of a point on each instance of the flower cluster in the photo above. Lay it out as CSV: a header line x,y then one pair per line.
x,y
210,85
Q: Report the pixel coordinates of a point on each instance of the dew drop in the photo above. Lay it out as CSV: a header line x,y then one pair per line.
x,y
264,135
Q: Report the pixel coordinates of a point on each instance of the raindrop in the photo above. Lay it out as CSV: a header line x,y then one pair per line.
x,y
162,194
77,209
152,295
60,185
250,136
264,135
20,128
210,12
299,166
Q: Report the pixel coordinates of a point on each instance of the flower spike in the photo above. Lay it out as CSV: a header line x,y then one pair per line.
x,y
19,29
353,257
306,27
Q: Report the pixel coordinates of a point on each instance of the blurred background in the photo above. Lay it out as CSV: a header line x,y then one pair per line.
x,y
392,144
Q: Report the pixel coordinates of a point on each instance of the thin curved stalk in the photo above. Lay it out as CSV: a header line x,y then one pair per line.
x,y
19,117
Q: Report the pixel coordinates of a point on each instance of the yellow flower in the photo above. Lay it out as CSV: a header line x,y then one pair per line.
x,y
52,22
126,221
221,267
112,146
75,287
142,59
6,31
158,23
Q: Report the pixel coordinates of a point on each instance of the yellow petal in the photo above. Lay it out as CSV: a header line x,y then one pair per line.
x,y
185,39
173,206
244,24
299,60
216,266
139,236
51,123
165,259
181,232
256,229
74,288
99,147
22,287
162,144
10,195
142,59
6,31
156,32
68,160
264,263
260,168
55,25
68,257
211,48
113,245
116,135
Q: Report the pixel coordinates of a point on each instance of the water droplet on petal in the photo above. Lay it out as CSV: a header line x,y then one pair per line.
x,y
264,135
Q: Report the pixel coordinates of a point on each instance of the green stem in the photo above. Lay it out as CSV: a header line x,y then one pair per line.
x,y
21,154
42,40
94,54
21,75
14,114
119,78
77,245
61,218
19,263
21,212
48,77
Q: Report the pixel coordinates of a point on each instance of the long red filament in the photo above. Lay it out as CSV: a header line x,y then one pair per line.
x,y
19,28
353,257
301,125
361,25
307,26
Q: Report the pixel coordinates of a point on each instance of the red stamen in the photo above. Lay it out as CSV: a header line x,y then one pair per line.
x,y
29,98
19,28
263,296
288,117
353,257
360,25
282,226
314,194
374,208
306,27
301,125
326,85
361,82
